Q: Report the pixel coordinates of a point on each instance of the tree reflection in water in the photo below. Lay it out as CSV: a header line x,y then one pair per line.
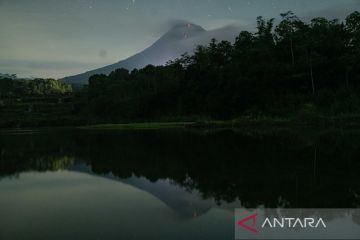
x,y
272,168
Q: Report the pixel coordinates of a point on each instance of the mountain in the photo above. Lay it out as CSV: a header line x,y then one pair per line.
x,y
181,38
187,204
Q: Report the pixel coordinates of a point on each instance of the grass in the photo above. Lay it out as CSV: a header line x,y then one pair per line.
x,y
318,121
49,115
145,125
238,123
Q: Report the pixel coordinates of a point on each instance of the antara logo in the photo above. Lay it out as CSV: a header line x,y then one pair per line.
x,y
251,218
294,223
249,223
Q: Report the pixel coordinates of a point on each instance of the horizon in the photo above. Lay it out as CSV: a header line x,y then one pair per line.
x,y
60,39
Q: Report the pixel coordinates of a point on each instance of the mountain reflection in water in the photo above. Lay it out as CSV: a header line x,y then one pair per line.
x,y
195,174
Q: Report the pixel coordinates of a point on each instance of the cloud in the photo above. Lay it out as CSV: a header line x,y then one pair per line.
x,y
167,25
225,23
228,33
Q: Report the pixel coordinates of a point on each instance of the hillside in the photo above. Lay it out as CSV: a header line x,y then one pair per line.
x,y
181,38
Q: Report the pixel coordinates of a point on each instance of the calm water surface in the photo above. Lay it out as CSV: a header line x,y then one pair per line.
x,y
173,184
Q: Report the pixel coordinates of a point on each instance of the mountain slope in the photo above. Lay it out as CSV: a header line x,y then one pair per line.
x,y
182,38
163,50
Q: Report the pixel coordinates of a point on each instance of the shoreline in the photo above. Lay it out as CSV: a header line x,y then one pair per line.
x,y
229,124
319,122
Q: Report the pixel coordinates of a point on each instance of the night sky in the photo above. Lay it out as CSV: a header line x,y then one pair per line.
x,y
57,38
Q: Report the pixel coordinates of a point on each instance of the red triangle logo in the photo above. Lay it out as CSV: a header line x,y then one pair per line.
x,y
251,228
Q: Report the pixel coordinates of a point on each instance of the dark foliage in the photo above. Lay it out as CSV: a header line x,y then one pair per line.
x,y
11,88
277,69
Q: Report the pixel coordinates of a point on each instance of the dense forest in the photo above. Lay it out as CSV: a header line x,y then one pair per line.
x,y
287,69
35,102
10,87
292,67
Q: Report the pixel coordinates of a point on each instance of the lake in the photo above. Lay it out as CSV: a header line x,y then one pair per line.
x,y
166,184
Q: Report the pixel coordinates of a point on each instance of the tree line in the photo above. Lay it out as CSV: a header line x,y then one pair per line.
x,y
12,87
277,68
281,69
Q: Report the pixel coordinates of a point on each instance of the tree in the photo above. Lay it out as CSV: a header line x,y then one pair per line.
x,y
285,31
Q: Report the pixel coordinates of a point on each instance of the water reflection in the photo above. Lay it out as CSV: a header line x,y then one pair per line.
x,y
108,179
270,168
70,205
